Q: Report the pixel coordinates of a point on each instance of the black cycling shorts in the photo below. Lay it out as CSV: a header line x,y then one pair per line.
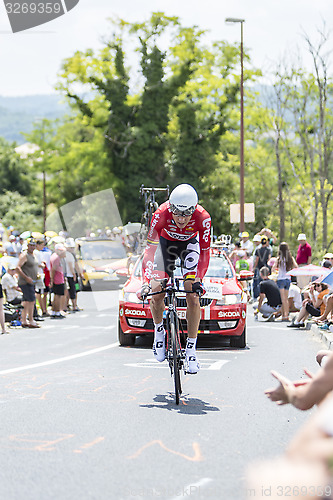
x,y
168,252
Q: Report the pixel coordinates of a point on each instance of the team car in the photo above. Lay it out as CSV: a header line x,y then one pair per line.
x,y
223,306
100,260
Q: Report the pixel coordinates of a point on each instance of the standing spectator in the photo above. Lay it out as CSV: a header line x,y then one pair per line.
x,y
303,258
27,269
10,286
268,290
11,248
284,263
2,314
41,293
304,251
57,280
246,243
237,254
70,272
261,258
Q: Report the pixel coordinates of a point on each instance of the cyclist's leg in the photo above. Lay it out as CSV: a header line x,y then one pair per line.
x,y
190,258
161,263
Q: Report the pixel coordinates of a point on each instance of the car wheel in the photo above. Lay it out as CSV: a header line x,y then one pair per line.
x,y
125,339
85,287
239,341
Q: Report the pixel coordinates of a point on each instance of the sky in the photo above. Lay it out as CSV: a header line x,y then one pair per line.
x,y
31,60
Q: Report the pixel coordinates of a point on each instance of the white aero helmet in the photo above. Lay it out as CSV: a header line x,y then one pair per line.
x,y
183,200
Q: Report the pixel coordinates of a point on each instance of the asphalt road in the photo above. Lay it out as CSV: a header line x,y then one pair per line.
x,y
82,418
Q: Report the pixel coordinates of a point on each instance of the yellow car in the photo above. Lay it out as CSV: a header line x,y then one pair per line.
x,y
99,259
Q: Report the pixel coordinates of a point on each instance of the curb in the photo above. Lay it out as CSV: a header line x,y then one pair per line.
x,y
325,336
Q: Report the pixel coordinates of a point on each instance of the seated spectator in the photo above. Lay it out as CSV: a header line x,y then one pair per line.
x,y
325,316
304,393
10,286
294,298
327,259
314,304
269,304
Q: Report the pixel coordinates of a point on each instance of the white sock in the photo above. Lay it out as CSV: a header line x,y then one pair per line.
x,y
159,331
191,345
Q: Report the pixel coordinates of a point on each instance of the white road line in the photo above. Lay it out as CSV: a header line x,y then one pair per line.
x,y
60,360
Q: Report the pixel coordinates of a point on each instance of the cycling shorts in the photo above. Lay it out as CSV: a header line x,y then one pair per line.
x,y
167,253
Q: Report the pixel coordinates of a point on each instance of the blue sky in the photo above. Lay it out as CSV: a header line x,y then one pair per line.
x,y
30,60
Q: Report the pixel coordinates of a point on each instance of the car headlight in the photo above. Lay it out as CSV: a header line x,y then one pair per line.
x,y
227,300
131,297
89,269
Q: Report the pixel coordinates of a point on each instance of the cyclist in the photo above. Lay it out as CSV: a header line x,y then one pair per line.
x,y
180,228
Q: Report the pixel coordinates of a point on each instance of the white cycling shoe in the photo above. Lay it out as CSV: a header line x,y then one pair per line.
x,y
193,365
159,349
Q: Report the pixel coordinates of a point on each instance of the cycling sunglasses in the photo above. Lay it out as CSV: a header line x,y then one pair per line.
x,y
182,213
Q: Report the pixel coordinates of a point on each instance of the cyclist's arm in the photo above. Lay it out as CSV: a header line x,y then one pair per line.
x,y
204,241
153,238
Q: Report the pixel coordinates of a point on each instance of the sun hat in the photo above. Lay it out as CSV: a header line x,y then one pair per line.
x,y
301,237
245,234
257,237
328,256
70,243
59,246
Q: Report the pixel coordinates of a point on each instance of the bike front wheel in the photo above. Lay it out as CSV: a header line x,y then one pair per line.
x,y
175,361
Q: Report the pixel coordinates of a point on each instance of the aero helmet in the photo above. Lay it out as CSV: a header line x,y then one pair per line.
x,y
183,200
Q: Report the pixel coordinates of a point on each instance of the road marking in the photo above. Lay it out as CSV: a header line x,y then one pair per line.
x,y
205,364
60,360
197,457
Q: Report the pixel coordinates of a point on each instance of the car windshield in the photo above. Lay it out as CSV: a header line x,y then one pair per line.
x,y
219,267
96,250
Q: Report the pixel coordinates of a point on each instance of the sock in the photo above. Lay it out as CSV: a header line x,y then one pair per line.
x,y
159,331
190,345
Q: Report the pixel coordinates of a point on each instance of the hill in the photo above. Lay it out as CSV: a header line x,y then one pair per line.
x,y
17,114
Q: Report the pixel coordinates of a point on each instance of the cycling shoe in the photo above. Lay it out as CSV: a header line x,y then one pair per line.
x,y
159,350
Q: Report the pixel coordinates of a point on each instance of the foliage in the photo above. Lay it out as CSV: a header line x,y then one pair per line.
x,y
21,212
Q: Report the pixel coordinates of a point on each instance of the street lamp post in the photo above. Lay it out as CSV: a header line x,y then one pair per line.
x,y
232,20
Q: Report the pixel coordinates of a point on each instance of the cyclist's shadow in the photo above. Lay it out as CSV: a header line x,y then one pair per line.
x,y
187,405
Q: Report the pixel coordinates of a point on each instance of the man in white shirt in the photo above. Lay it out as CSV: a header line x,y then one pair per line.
x,y
10,286
247,244
294,298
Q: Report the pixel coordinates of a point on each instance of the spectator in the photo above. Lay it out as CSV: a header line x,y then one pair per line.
x,y
71,276
2,314
303,258
261,258
327,259
284,263
27,268
237,254
57,280
11,248
304,393
10,286
294,298
41,293
246,243
269,304
314,304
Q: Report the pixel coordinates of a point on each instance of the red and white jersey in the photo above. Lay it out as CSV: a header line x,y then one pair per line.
x,y
162,224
